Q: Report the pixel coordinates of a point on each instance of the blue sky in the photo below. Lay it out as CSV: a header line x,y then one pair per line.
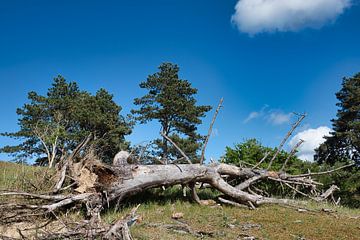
x,y
266,64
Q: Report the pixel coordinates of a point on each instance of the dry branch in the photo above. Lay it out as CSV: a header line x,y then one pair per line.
x,y
322,173
210,131
293,151
294,126
177,147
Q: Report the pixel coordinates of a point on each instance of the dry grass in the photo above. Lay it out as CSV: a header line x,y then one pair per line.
x,y
25,178
16,177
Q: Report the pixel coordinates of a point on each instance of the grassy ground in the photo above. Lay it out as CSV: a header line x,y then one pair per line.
x,y
225,222
221,222
25,178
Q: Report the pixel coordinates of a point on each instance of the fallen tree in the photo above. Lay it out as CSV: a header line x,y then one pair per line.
x,y
97,186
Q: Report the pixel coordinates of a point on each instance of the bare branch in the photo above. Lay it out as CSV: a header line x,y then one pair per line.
x,y
235,204
293,151
210,130
321,173
296,190
176,146
262,160
294,126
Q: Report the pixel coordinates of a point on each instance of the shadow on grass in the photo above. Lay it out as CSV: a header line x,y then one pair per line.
x,y
162,197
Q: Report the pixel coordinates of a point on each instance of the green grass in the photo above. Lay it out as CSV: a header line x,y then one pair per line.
x,y
227,222
224,222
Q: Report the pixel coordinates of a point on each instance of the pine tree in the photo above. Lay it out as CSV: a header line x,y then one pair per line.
x,y
344,143
170,100
53,125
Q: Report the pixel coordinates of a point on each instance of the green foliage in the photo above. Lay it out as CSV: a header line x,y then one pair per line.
x,y
170,100
53,125
251,152
344,142
348,180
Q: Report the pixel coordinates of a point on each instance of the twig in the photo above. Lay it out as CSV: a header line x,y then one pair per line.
x,y
79,148
296,190
262,160
210,131
223,200
321,173
176,146
252,206
294,126
38,196
297,182
293,151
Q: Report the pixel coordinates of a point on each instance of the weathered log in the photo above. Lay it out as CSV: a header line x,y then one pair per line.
x,y
109,183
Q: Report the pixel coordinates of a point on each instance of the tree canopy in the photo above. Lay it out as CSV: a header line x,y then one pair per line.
x,y
344,143
170,100
52,126
251,151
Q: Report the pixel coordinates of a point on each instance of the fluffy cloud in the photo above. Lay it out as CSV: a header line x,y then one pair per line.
x,y
255,16
313,138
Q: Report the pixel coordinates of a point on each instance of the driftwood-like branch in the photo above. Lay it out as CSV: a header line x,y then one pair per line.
x,y
120,230
177,147
292,153
262,160
322,173
294,126
210,131
232,203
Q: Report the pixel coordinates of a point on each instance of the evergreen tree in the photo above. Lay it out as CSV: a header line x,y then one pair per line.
x,y
170,100
344,143
53,125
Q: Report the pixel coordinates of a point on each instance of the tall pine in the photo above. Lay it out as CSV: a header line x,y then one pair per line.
x,y
344,143
170,100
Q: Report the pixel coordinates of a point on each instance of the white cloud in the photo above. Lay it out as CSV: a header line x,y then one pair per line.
x,y
278,118
273,116
313,138
255,16
252,116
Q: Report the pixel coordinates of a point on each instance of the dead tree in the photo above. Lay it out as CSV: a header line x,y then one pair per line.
x,y
97,186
